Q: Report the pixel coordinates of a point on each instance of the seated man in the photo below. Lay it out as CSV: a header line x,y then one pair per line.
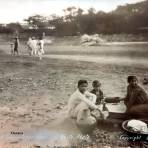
x,y
136,99
81,103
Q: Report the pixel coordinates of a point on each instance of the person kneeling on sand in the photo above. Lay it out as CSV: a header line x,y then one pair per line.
x,y
81,103
136,100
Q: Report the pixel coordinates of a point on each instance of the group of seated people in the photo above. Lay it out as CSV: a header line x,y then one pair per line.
x,y
82,102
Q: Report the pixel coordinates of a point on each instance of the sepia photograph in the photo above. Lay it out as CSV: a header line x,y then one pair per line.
x,y
73,73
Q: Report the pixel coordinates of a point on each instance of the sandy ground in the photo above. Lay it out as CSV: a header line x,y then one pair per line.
x,y
34,93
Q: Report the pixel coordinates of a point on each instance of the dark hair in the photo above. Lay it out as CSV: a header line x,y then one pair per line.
x,y
130,78
80,82
96,83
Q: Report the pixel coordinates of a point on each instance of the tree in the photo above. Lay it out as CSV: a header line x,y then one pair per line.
x,y
15,27
79,23
37,22
57,23
125,19
70,13
91,11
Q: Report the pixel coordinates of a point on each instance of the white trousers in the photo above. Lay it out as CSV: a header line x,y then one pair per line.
x,y
84,116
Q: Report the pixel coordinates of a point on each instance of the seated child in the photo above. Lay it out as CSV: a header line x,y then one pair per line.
x,y
97,91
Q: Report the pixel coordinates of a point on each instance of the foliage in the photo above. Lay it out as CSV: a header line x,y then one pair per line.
x,y
14,27
37,22
130,18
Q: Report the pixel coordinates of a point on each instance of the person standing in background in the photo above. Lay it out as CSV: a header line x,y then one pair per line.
x,y
16,45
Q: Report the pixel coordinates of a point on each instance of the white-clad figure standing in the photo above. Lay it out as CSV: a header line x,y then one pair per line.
x,y
40,48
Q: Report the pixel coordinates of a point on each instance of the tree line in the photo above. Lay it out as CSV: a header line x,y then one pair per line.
x,y
130,18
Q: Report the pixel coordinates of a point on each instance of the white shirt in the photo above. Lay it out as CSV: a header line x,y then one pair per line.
x,y
32,44
41,44
77,97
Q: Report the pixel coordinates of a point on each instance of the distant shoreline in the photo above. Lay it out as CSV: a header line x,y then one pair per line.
x,y
125,43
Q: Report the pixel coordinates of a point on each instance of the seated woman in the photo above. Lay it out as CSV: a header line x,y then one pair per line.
x,y
81,103
136,99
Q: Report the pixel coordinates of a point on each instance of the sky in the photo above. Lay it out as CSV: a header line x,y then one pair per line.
x,y
18,10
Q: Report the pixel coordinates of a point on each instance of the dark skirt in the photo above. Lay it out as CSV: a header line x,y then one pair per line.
x,y
139,111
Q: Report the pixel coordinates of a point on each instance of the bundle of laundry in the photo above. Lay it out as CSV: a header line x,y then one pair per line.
x,y
137,126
